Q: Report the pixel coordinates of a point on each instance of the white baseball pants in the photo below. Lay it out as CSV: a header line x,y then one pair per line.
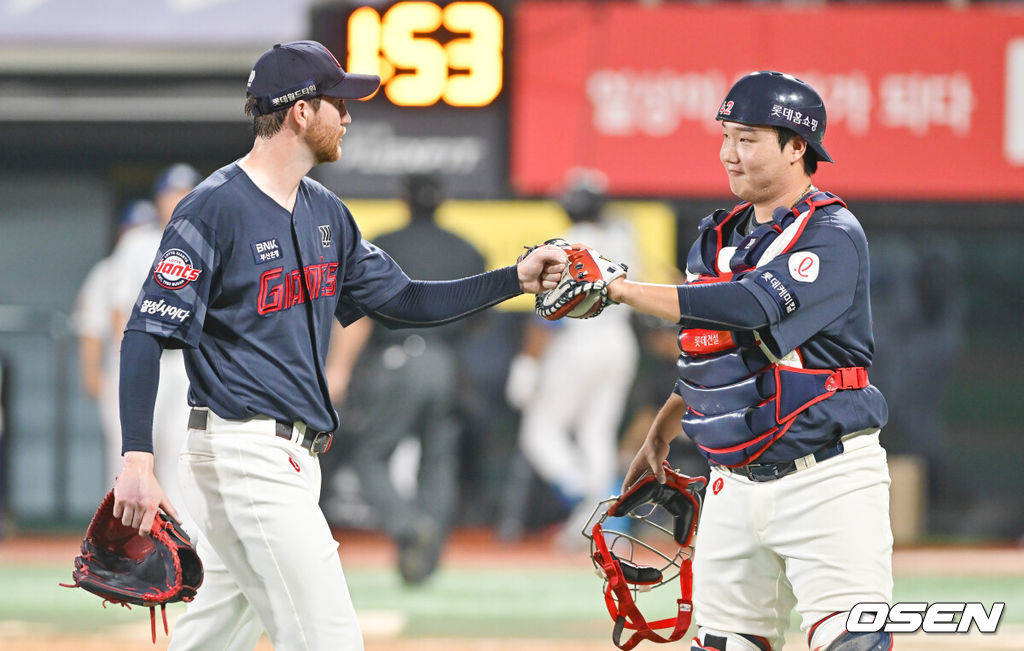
x,y
271,562
818,539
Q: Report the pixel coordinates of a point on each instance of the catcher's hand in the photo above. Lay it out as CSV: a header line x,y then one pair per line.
x,y
582,292
125,568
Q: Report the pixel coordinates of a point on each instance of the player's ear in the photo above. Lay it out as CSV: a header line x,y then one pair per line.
x,y
301,112
798,148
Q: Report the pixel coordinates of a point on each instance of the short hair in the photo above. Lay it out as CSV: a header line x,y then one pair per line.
x,y
266,126
810,157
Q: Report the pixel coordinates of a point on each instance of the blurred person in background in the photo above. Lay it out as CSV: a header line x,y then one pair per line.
x,y
131,263
97,325
569,430
406,392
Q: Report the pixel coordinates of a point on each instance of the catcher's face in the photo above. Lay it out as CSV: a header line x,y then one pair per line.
x,y
759,170
327,129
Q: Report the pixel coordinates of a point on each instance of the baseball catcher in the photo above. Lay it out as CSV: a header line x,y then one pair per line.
x,y
582,292
632,560
125,568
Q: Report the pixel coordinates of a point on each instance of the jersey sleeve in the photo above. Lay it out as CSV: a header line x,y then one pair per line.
x,y
174,297
369,277
809,289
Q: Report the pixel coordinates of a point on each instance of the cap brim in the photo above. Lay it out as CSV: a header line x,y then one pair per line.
x,y
354,86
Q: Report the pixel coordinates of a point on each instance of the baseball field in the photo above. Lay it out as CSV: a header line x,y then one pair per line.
x,y
487,596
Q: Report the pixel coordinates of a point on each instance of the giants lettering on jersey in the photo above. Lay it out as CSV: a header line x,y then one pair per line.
x,y
174,270
281,291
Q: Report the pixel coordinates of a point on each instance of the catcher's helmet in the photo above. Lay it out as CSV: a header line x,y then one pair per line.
x,y
667,512
775,99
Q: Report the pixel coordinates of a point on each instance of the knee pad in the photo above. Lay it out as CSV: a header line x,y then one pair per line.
x,y
711,640
830,634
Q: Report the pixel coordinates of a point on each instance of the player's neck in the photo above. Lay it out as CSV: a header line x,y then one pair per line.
x,y
276,166
788,197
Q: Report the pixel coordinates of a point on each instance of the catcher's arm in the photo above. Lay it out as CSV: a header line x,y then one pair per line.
x,y
716,305
661,301
654,450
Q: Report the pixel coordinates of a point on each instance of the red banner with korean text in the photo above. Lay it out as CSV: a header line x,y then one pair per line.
x,y
923,102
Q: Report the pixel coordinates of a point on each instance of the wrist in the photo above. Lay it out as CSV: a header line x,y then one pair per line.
x,y
137,459
617,290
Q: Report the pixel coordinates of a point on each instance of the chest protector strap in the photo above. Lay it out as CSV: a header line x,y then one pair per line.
x,y
741,400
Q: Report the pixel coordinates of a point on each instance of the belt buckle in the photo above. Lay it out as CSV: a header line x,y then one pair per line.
x,y
321,443
767,471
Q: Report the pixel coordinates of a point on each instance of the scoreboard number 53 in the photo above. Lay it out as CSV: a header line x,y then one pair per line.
x,y
425,53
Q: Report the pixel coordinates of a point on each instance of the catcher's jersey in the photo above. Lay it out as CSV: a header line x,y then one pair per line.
x,y
817,301
227,285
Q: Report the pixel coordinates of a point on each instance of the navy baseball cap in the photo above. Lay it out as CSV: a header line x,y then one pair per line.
x,y
137,213
180,176
288,72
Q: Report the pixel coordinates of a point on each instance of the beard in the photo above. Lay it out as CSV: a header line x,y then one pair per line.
x,y
323,142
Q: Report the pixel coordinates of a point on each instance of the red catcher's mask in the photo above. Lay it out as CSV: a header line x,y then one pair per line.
x,y
651,546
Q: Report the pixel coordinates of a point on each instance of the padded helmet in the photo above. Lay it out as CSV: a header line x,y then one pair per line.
x,y
775,99
643,540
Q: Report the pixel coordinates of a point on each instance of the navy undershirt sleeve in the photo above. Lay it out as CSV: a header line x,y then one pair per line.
x,y
436,302
140,377
718,305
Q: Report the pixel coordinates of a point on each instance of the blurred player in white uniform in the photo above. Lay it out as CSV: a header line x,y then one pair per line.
x,y
99,336
569,429
131,263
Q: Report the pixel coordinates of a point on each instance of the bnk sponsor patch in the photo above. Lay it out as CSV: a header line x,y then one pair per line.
x,y
266,251
161,309
174,270
777,290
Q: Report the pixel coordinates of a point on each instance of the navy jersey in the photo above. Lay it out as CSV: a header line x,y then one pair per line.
x,y
816,299
229,285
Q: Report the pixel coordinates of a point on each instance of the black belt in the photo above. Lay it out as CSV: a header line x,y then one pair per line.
x,y
314,441
772,471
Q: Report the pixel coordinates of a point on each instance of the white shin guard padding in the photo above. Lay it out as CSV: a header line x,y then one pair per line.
x,y
828,630
709,638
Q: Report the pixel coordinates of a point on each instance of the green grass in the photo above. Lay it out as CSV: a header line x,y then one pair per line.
x,y
512,602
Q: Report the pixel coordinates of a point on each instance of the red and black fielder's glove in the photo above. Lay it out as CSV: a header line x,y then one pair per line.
x,y
125,568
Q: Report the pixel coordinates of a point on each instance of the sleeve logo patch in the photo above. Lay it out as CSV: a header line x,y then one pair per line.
x,y
174,270
160,308
778,291
266,251
804,266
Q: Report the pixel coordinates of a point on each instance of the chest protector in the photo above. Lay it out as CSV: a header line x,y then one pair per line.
x,y
740,397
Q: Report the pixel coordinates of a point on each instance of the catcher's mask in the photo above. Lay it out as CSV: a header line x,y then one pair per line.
x,y
668,511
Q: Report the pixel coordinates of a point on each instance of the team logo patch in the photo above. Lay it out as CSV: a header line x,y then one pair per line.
x,y
716,487
325,235
777,290
804,266
174,270
162,309
266,251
